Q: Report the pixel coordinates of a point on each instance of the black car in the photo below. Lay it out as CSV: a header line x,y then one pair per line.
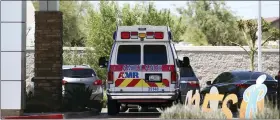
x,y
236,82
188,80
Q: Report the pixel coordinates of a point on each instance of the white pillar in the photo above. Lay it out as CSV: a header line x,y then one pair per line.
x,y
259,39
49,5
13,59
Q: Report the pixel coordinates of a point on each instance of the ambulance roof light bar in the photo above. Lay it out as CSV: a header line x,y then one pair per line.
x,y
126,35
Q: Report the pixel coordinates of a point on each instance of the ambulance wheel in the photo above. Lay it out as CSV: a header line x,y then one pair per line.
x,y
143,109
123,108
113,107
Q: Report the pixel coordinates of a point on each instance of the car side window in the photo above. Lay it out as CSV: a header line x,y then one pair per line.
x,y
228,78
218,79
224,78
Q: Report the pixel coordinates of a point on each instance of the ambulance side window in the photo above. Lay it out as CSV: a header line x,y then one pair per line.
x,y
129,54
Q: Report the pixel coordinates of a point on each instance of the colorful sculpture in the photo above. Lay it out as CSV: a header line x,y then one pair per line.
x,y
253,94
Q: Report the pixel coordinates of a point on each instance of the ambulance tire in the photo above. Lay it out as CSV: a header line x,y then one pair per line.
x,y
123,108
113,107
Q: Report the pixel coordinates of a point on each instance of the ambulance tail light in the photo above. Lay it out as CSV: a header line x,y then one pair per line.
x,y
173,77
134,35
158,35
150,35
110,77
125,35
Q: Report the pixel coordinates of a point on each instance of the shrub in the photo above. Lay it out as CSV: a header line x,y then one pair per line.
x,y
79,99
270,111
104,101
180,111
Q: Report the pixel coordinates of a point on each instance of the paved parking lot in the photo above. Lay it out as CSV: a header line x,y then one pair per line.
x,y
133,113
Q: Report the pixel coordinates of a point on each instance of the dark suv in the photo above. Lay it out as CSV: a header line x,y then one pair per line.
x,y
188,80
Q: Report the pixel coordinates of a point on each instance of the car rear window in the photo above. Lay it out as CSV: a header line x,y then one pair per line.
x,y
186,72
78,73
251,76
155,54
129,54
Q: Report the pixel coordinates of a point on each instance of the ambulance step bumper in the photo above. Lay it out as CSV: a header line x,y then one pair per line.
x,y
141,97
121,96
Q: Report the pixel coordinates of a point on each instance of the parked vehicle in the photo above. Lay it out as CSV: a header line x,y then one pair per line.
x,y
188,80
235,82
81,76
142,68
277,77
80,85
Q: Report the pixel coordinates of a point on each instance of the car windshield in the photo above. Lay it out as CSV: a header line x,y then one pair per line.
x,y
155,54
186,72
251,76
78,73
129,54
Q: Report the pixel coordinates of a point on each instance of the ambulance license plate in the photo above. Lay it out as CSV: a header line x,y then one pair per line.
x,y
153,77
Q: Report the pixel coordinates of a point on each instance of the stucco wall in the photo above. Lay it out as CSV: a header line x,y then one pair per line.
x,y
207,61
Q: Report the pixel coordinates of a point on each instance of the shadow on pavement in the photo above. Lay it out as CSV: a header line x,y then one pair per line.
x,y
132,113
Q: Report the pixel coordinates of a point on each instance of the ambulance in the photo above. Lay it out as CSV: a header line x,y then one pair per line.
x,y
143,68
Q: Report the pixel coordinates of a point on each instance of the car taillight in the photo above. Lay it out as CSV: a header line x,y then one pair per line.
x,y
158,35
125,35
64,82
77,68
242,85
173,77
110,77
193,83
97,82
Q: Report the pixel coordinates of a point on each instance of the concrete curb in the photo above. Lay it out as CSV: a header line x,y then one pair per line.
x,y
50,116
65,115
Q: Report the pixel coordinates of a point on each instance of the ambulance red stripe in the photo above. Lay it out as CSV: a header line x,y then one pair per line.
x,y
164,68
118,82
152,84
133,82
165,82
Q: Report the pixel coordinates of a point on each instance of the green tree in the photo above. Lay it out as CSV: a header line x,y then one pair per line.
x,y
101,25
249,29
73,21
213,19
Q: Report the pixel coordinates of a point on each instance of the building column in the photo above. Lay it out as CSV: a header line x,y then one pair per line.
x,y
13,67
48,58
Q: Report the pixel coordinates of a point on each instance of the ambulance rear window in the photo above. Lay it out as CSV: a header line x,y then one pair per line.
x,y
129,54
155,54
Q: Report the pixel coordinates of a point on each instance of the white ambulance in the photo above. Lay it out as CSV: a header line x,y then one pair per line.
x,y
143,68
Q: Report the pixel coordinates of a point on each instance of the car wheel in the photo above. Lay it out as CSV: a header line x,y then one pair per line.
x,y
233,107
112,107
